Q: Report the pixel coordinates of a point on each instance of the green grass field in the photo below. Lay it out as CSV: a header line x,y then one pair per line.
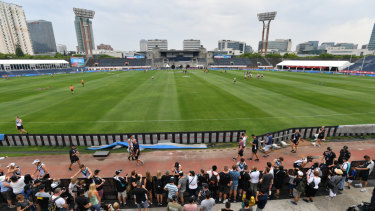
x,y
119,102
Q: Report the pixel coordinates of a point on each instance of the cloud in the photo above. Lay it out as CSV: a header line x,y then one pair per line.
x,y
123,23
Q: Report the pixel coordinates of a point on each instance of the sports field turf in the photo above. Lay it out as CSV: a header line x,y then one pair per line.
x,y
116,102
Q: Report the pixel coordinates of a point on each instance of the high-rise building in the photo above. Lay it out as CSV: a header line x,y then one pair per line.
x,y
14,30
42,36
325,45
347,45
143,45
162,44
248,49
309,47
105,47
231,45
61,48
278,45
315,44
191,44
84,32
371,44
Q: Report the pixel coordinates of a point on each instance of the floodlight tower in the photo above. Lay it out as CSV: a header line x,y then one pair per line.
x,y
266,18
83,24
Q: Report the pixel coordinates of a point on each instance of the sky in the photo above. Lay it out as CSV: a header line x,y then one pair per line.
x,y
122,23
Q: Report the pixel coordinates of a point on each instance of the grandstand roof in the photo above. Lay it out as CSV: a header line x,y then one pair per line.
x,y
31,61
314,63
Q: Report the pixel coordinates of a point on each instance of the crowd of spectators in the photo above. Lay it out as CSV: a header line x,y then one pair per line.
x,y
181,189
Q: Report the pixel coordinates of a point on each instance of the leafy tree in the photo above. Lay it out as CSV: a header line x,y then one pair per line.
x,y
19,52
274,55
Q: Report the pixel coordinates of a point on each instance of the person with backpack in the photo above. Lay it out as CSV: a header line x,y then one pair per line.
x,y
312,186
213,180
121,184
58,202
299,187
345,167
224,184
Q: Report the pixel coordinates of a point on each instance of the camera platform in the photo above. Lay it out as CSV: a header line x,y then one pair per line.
x,y
101,154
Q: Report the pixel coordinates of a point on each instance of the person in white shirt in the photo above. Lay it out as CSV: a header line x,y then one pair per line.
x,y
193,183
59,201
213,171
312,186
17,184
73,187
254,180
364,171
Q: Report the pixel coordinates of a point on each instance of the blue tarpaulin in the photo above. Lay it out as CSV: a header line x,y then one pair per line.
x,y
1,137
156,146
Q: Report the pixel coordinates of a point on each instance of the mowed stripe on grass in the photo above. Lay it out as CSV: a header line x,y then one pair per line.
x,y
133,102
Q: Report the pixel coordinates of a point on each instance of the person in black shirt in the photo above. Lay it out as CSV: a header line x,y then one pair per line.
x,y
98,182
280,175
137,152
227,207
140,195
321,136
73,154
42,199
23,204
83,203
344,153
295,141
254,148
244,182
329,156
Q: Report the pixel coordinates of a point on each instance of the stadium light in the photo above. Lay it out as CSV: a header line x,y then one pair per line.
x,y
266,18
83,13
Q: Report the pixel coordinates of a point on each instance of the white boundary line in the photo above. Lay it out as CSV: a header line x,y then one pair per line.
x,y
193,120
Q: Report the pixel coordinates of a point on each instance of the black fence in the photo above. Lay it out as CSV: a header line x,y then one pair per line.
x,y
306,132
105,139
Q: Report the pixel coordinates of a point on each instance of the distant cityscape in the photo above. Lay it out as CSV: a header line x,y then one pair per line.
x,y
36,37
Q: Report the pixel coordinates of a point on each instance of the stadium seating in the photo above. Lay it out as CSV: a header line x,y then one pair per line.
x,y
368,65
29,72
234,61
116,62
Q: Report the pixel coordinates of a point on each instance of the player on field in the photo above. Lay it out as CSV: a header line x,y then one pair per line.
x,y
83,83
71,89
241,148
153,77
295,141
19,125
234,80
